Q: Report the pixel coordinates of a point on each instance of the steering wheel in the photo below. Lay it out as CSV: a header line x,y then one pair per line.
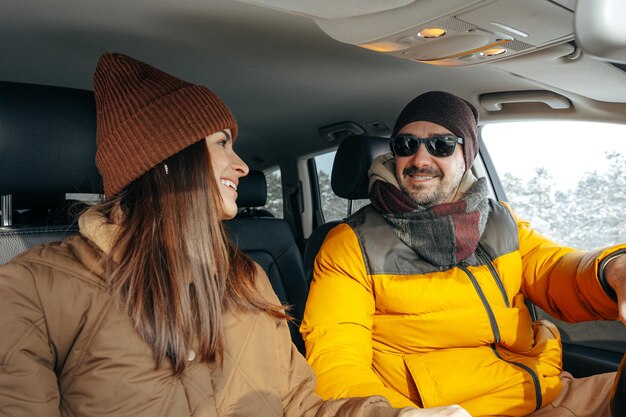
x,y
618,392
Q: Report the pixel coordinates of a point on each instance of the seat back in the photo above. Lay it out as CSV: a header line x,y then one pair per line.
x,y
252,194
47,149
271,243
348,180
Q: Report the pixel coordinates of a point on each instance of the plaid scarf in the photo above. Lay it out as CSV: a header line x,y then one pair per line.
x,y
443,235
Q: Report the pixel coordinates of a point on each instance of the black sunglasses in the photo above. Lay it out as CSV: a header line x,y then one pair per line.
x,y
438,146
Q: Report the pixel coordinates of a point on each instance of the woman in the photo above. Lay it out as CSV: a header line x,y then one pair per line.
x,y
152,311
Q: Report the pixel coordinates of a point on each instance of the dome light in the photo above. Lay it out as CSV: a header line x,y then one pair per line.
x,y
429,33
493,51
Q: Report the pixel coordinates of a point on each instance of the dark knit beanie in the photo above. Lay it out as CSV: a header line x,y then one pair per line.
x,y
455,114
145,115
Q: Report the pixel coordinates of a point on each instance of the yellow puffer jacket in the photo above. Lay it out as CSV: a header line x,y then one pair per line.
x,y
380,320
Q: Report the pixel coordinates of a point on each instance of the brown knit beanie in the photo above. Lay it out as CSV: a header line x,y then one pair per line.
x,y
455,114
145,115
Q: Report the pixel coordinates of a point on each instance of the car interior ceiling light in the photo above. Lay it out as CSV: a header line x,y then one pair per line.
x,y
429,33
493,51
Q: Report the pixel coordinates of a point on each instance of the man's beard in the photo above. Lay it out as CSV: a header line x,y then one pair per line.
x,y
444,192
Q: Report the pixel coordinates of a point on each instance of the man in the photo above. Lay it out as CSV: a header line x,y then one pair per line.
x,y
420,296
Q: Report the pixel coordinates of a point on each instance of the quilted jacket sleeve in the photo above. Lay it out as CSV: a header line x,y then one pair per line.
x,y
298,381
28,383
337,325
563,281
300,399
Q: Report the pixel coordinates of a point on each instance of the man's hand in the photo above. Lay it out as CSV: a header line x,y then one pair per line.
x,y
615,276
449,411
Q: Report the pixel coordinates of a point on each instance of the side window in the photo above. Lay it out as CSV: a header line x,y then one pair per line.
x,y
274,202
333,207
569,180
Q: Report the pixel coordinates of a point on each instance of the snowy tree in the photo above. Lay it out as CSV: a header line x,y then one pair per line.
x,y
598,206
533,200
333,207
591,215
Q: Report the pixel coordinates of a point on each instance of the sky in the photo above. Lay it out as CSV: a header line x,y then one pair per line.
x,y
568,150
325,162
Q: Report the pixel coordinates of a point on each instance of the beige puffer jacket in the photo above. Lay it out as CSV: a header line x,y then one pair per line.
x,y
66,349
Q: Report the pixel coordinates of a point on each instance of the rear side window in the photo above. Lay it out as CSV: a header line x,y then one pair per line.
x,y
274,202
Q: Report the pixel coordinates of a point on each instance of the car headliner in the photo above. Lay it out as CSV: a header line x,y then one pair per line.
x,y
281,75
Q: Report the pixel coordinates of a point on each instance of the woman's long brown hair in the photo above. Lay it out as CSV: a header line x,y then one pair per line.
x,y
175,270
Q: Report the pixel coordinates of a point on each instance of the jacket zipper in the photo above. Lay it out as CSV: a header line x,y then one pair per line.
x,y
496,332
488,261
481,294
538,397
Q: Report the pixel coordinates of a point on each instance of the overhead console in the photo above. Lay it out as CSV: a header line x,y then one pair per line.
x,y
446,33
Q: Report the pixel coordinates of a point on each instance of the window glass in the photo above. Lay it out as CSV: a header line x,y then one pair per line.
x,y
333,207
274,202
90,199
569,180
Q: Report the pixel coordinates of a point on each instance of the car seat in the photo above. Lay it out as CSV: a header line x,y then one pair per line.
x,y
252,194
271,243
348,180
47,149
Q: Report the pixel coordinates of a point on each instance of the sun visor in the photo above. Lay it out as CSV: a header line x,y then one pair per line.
x,y
445,33
600,29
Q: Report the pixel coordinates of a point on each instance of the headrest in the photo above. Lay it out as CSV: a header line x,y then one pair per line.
x,y
47,140
252,190
352,160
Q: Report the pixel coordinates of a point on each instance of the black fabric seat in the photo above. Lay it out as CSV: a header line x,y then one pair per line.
x,y
47,143
271,243
252,194
46,219
348,180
